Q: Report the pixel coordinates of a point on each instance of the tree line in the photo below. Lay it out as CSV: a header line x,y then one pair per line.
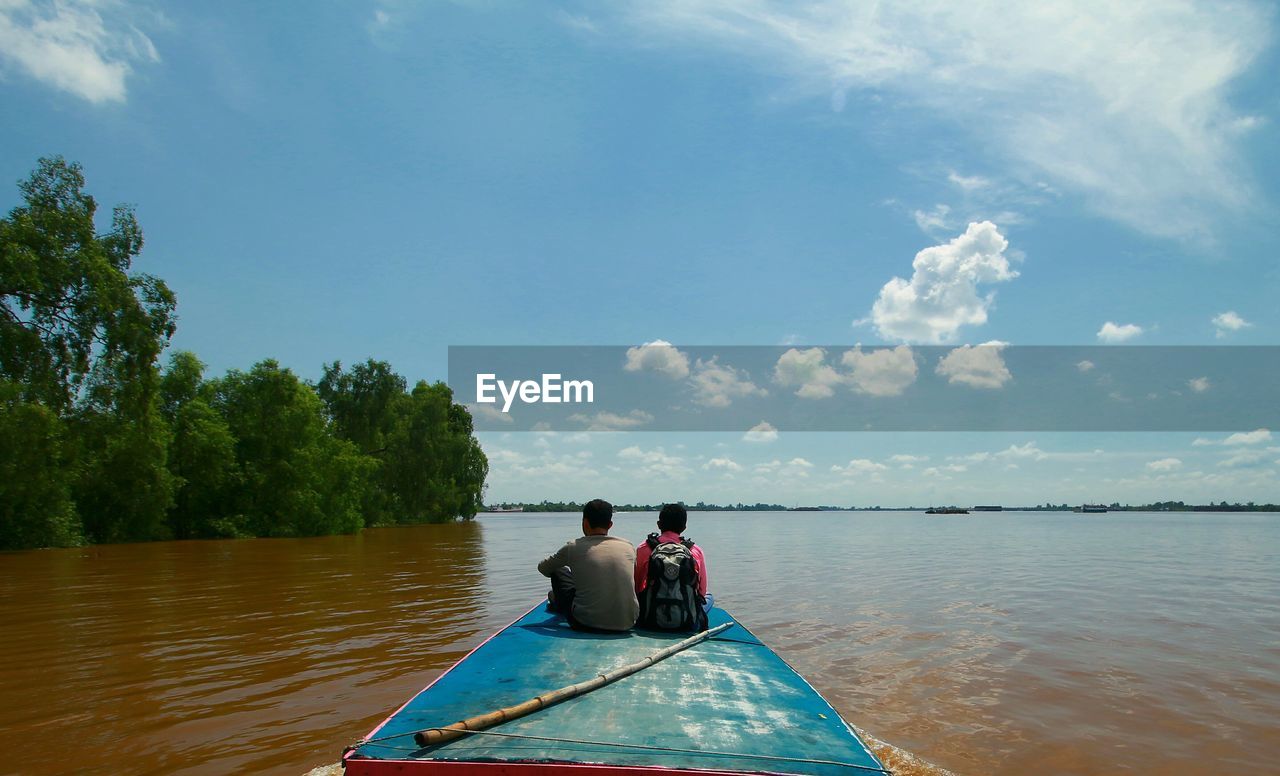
x,y
101,443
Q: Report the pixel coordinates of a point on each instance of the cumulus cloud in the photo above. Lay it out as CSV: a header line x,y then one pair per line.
x,y
658,356
81,47
1028,450
722,464
906,461
1164,465
762,432
976,367
1113,333
656,461
796,468
1123,104
881,372
1227,322
717,385
942,294
612,421
1241,458
859,466
807,370
1199,384
1255,437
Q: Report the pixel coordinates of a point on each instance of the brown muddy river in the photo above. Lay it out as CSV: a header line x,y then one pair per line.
x,y
994,643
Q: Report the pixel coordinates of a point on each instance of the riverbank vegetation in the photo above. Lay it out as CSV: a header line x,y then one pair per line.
x,y
100,443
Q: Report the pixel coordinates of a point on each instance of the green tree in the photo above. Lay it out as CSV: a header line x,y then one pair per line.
x,y
202,455
429,466
297,479
79,336
68,306
363,406
35,479
364,403
434,465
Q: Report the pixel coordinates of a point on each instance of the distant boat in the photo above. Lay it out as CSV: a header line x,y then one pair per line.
x,y
723,703
504,509
1091,508
946,511
988,508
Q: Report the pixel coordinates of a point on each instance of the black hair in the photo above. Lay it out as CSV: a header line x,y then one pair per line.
x,y
598,513
673,517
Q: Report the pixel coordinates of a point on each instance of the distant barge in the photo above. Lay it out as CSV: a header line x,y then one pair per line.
x,y
946,511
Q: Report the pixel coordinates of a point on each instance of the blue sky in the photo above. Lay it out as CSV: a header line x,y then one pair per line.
x,y
385,179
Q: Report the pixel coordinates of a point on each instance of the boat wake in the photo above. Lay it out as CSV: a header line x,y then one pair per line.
x,y
900,761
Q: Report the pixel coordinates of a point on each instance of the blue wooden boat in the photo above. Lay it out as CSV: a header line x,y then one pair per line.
x,y
727,704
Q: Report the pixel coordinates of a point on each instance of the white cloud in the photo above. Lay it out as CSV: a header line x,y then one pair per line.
x,y
715,385
1164,465
1257,436
942,294
1113,333
1248,437
656,461
658,356
795,468
760,433
881,372
490,413
1124,104
722,464
1199,384
1244,458
977,367
1028,450
612,421
907,460
1227,322
933,221
1085,366
806,369
968,183
859,466
72,46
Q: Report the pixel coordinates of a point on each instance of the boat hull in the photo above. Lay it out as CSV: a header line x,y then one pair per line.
x,y
727,705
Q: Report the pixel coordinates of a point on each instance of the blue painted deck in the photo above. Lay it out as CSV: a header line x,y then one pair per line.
x,y
721,699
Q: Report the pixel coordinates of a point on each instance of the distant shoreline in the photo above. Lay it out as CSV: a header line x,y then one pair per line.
x,y
1172,507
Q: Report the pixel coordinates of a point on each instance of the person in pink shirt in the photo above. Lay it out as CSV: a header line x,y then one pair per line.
x,y
672,589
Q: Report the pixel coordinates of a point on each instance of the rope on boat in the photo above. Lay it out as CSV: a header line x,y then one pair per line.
x,y
664,749
432,736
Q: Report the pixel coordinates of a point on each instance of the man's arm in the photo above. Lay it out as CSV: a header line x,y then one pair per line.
x,y
642,566
702,570
560,558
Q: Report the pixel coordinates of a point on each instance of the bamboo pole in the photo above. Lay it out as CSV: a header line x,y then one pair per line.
x,y
432,736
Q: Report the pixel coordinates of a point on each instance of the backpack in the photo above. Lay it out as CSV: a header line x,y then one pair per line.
x,y
670,600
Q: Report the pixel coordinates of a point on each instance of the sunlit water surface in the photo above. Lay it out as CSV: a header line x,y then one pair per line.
x,y
1005,643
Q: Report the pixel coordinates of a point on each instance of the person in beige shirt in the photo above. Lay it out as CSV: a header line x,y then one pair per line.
x,y
592,577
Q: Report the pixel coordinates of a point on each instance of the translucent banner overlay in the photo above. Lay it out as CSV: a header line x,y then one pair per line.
x,y
991,387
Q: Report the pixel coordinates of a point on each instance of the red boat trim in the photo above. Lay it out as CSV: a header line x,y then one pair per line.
x,y
361,767
372,733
